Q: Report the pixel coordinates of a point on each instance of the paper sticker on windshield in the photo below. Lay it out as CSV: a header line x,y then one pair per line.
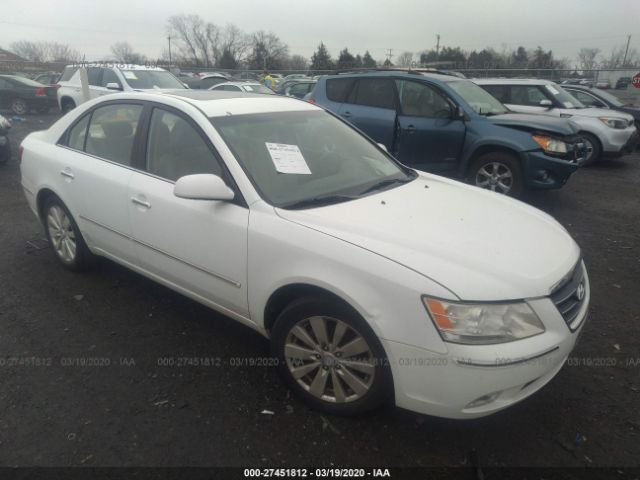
x,y
552,90
130,75
288,158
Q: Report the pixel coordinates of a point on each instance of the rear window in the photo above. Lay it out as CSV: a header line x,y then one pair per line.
x,y
338,89
67,74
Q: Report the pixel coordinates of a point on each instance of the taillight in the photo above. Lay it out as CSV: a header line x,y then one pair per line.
x,y
312,101
41,92
20,151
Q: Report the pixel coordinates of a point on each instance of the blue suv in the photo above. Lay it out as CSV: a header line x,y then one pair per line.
x,y
446,124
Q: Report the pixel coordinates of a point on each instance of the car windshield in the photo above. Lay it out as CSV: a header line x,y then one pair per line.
x,y
479,99
561,95
613,100
297,159
257,88
148,79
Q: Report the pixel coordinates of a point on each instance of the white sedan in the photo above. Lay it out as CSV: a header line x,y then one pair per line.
x,y
373,281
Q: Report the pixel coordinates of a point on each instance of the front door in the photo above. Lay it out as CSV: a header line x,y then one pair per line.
x,y
198,245
431,134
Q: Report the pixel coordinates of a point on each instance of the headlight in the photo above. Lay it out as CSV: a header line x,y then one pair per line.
x,y
550,144
613,122
483,323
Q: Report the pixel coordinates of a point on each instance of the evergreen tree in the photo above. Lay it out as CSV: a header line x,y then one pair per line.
x,y
368,61
321,59
346,60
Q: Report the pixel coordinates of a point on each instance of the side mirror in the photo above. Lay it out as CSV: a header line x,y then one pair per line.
x,y
458,113
113,86
202,186
546,103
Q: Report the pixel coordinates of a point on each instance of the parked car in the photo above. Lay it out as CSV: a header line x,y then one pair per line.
x,y
21,95
5,144
296,76
206,81
445,124
106,79
604,84
594,97
249,76
49,78
297,88
247,87
373,281
606,133
623,82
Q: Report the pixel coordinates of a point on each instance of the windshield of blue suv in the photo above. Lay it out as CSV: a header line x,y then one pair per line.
x,y
478,98
309,158
148,79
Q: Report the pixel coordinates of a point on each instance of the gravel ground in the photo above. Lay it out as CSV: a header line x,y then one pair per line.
x,y
132,411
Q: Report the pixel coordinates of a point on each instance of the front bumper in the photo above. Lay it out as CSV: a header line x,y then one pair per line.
x,y
542,171
502,375
619,142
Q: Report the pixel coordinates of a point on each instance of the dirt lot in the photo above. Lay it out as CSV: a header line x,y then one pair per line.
x,y
133,411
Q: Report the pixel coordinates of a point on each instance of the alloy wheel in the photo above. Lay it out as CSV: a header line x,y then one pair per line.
x,y
62,234
330,359
495,176
19,107
590,149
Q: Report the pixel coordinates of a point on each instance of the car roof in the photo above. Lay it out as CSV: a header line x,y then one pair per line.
x,y
219,103
124,66
413,74
237,84
511,81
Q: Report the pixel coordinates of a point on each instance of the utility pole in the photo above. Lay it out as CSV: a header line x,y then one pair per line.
x,y
626,51
438,46
169,39
389,55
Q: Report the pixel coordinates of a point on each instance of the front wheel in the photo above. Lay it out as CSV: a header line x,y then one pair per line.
x,y
67,105
499,172
330,357
65,237
593,149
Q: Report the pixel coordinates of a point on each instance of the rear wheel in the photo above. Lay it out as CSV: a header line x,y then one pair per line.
x,y
594,151
499,172
64,236
19,106
330,357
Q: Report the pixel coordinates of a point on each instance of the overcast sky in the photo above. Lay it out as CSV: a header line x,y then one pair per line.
x,y
563,26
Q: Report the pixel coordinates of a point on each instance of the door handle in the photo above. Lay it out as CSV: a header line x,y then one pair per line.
x,y
67,173
142,203
346,114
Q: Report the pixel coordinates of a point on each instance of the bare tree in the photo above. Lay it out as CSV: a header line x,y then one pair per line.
x,y
44,51
123,52
587,58
194,37
405,59
298,62
235,42
616,58
268,51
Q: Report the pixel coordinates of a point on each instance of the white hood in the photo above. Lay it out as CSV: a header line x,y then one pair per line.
x,y
478,244
596,113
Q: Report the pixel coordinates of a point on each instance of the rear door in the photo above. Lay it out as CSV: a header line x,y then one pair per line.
x,y
430,135
371,106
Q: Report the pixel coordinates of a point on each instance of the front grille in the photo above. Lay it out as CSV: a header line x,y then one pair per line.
x,y
570,294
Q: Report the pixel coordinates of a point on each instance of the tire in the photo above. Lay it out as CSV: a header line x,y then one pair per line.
x,y
594,150
67,105
352,378
64,236
19,106
499,172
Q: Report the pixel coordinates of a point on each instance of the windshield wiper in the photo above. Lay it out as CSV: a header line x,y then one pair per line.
x,y
385,183
318,201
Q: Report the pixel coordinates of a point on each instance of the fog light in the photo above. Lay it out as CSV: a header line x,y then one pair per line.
x,y
483,400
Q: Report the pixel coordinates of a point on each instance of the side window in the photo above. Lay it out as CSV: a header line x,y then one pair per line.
x,y
499,91
529,95
375,92
112,131
4,84
78,134
94,74
420,100
339,88
175,148
68,73
299,89
585,98
109,76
